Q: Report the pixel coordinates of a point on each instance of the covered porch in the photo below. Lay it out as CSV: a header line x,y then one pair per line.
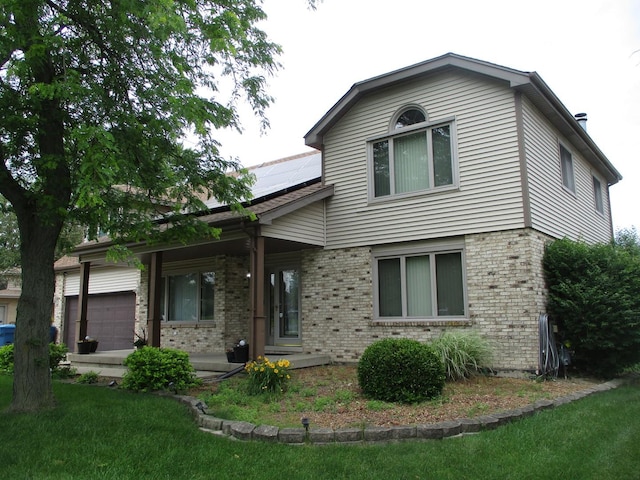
x,y
207,295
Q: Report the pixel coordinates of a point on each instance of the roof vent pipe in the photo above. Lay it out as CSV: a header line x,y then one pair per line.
x,y
582,120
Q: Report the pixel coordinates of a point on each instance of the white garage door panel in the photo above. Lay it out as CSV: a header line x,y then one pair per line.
x,y
104,280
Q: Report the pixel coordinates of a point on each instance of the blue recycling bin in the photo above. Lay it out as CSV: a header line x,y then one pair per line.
x,y
7,333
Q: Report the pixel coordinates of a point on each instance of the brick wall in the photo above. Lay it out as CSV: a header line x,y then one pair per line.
x,y
505,292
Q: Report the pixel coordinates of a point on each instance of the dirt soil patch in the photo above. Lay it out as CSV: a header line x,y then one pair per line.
x,y
329,397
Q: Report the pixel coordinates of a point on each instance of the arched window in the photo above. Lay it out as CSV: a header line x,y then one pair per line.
x,y
410,117
416,155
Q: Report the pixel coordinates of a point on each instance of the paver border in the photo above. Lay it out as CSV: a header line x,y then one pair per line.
x,y
246,431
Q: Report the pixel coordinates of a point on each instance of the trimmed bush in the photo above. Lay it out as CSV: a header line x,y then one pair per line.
x,y
158,369
400,370
462,353
593,298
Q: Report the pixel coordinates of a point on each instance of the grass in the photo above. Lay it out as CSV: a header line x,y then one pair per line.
x,y
101,433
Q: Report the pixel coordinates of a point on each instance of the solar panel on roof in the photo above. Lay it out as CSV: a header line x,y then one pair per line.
x,y
276,176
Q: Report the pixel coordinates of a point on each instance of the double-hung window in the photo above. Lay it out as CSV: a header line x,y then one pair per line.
x,y
419,285
416,156
566,164
188,297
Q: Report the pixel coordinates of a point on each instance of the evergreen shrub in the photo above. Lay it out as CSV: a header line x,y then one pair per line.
x,y
400,370
594,300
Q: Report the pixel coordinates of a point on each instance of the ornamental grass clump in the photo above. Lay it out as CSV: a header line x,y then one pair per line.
x,y
266,376
462,353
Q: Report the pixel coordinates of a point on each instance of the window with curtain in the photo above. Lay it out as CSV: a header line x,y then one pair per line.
x,y
188,297
420,286
412,159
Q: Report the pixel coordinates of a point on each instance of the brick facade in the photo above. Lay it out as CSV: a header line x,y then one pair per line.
x,y
505,293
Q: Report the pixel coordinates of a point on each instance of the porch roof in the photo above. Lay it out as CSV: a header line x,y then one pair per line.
x,y
266,208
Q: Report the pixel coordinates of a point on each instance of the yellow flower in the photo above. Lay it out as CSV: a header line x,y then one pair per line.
x,y
262,369
275,371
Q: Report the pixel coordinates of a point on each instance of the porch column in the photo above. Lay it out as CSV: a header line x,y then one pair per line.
x,y
83,297
154,315
257,325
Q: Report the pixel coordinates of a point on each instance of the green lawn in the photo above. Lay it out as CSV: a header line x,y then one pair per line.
x,y
97,432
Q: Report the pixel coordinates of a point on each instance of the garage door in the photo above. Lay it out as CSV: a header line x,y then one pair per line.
x,y
110,319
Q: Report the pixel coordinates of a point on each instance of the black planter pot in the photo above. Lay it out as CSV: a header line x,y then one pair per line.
x,y
231,357
241,354
87,347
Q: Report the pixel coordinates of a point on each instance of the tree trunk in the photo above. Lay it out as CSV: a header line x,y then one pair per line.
x,y
32,376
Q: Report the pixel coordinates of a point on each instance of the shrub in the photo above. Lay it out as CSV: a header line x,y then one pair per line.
x,y
593,298
266,376
157,369
88,377
462,353
400,370
57,353
6,359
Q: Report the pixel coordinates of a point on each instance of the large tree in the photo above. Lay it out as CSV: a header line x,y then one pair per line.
x,y
96,98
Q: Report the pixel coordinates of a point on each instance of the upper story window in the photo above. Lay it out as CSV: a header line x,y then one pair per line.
x,y
597,195
416,155
566,164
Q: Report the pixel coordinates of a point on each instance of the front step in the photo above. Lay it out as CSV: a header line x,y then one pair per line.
x,y
207,365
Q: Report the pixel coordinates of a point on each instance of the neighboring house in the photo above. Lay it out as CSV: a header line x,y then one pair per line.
x,y
427,208
10,283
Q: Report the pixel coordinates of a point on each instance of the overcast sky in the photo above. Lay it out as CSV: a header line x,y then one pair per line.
x,y
587,51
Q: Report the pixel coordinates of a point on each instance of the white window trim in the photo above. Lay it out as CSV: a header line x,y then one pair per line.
x,y
431,249
451,121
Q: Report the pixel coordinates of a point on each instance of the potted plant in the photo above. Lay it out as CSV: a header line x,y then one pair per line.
x,y
241,352
141,339
88,345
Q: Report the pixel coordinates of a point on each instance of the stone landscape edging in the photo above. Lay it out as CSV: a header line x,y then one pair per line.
x,y
432,431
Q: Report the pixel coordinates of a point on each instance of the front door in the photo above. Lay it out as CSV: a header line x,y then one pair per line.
x,y
284,307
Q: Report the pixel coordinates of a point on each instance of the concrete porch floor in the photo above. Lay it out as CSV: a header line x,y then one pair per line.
x,y
207,365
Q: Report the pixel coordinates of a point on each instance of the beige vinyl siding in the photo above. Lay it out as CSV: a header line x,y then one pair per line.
x,y
489,196
205,264
305,225
554,210
104,280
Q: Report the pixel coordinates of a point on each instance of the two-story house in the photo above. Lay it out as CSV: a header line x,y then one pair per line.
x,y
427,208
